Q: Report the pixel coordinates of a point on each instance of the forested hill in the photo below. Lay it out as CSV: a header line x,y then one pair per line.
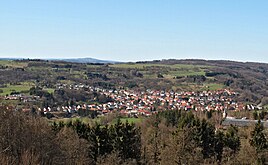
x,y
249,79
74,60
87,60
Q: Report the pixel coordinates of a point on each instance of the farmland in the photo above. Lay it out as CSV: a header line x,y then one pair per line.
x,y
183,75
23,87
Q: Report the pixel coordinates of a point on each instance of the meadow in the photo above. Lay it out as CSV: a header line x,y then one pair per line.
x,y
173,66
99,120
22,87
13,64
168,71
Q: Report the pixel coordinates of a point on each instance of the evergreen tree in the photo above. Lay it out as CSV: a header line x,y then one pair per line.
x,y
258,139
104,140
204,136
94,142
218,145
131,142
56,127
126,140
81,129
232,139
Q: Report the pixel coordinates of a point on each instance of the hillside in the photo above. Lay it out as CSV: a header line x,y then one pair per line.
x,y
86,60
249,79
74,60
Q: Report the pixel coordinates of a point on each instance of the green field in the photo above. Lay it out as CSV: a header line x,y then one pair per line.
x,y
49,90
82,119
186,73
129,119
87,120
212,86
13,64
9,102
141,66
15,88
168,71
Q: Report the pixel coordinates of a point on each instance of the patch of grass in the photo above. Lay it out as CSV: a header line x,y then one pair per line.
x,y
136,66
94,66
13,64
171,71
15,88
212,86
147,74
9,102
129,119
85,120
175,66
186,73
49,90
39,68
90,121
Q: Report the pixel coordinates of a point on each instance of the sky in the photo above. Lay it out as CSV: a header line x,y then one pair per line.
x,y
135,30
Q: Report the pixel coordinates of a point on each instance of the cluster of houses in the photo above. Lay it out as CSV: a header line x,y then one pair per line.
x,y
145,103
136,103
22,97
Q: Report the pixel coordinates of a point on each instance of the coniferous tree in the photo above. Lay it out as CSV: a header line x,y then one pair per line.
x,y
126,140
81,129
232,139
105,140
259,142
204,136
131,142
94,142
218,145
258,139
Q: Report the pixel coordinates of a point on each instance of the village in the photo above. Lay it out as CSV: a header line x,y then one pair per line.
x,y
132,103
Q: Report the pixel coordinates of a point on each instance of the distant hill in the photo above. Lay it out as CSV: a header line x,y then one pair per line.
x,y
75,60
86,60
8,59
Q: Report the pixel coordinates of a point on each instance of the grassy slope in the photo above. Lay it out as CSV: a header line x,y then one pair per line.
x,y
98,120
141,66
17,88
180,70
13,64
129,119
177,69
149,70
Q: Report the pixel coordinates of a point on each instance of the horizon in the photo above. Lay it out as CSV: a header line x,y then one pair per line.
x,y
135,30
73,58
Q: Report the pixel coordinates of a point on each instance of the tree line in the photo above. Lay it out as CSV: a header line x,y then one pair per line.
x,y
169,137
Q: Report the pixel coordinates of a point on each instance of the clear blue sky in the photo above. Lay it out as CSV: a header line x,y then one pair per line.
x,y
132,30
